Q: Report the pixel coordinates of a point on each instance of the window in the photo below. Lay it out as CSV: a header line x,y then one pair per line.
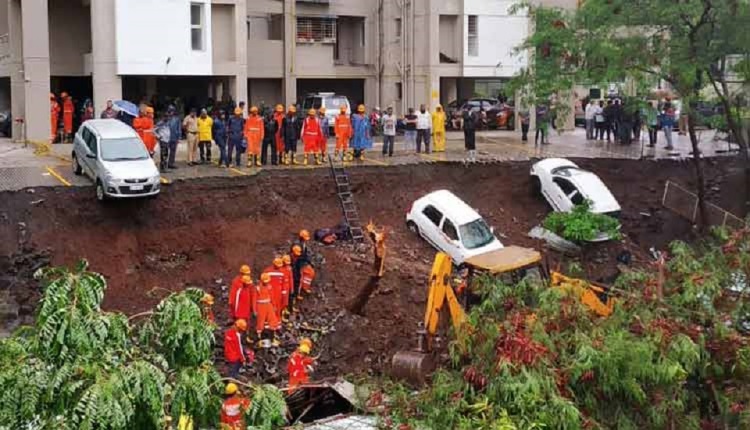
x,y
122,149
90,140
450,230
433,215
569,190
473,42
311,30
399,91
398,29
265,27
196,26
476,234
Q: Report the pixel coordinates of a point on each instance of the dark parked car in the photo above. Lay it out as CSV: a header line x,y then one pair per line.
x,y
495,114
6,123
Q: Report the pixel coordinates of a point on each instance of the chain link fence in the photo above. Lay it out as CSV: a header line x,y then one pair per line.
x,y
685,203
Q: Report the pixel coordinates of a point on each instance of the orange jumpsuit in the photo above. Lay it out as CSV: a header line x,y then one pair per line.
x,y
140,124
279,117
233,413
149,138
68,109
297,368
54,111
311,135
306,280
343,130
277,288
254,132
263,309
286,289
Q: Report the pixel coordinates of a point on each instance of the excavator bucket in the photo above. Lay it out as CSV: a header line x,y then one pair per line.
x,y
412,367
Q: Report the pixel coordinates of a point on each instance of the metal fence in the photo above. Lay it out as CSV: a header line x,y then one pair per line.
x,y
685,204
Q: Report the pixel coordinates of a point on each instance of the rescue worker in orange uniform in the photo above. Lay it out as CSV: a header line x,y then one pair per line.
x,y
254,132
343,131
144,126
234,350
307,275
311,136
241,298
233,409
277,284
263,309
207,302
299,365
278,116
68,110
54,115
288,285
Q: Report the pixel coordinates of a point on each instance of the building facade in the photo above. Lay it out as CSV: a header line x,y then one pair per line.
x,y
400,53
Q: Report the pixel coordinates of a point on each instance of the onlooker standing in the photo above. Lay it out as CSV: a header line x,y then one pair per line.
x,y
589,115
617,118
438,129
389,131
410,131
235,136
667,123
88,111
470,131
599,120
652,122
325,128
219,132
542,125
190,124
609,118
424,124
525,118
162,133
205,136
175,134
269,139
109,112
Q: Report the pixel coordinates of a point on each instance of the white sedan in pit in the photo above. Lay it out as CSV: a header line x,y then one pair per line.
x,y
566,185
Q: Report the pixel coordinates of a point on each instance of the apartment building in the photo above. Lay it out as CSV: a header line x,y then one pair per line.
x,y
378,52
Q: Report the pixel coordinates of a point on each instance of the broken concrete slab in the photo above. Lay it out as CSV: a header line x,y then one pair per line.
x,y
554,241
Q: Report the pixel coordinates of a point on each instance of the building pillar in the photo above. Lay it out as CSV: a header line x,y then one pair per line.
x,y
34,87
290,45
240,92
15,68
106,82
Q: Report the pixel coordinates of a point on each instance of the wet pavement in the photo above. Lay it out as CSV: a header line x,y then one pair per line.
x,y
23,166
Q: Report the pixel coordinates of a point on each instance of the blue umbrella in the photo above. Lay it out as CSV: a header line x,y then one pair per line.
x,y
127,107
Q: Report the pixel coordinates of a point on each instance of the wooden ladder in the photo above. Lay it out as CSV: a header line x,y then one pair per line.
x,y
344,192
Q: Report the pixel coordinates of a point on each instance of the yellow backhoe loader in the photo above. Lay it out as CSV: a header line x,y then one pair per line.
x,y
511,264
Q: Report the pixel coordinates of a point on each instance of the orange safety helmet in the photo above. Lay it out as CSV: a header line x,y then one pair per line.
x,y
254,109
292,109
246,279
304,235
361,108
278,262
245,269
279,108
287,259
149,110
311,112
63,94
238,111
52,96
296,250
322,110
265,278
241,324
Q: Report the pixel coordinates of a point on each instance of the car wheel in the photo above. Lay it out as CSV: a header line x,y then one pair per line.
x,y
536,186
412,227
77,170
101,196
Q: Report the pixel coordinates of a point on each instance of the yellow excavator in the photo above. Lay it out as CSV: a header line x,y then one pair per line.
x,y
511,264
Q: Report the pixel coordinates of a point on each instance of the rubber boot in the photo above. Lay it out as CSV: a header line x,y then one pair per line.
x,y
304,162
275,340
294,158
250,160
257,161
336,154
287,161
318,159
362,155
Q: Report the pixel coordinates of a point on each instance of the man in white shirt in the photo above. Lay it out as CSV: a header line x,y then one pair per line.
x,y
590,115
389,131
424,126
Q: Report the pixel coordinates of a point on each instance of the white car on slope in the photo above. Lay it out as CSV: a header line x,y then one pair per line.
x,y
566,185
451,226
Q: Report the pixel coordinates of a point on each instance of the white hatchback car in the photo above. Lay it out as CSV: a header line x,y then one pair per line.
x,y
566,185
451,226
114,157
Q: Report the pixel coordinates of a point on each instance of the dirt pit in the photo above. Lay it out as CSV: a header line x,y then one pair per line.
x,y
199,232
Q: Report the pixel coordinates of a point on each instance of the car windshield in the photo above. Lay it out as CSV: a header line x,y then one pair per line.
x,y
476,234
334,102
123,149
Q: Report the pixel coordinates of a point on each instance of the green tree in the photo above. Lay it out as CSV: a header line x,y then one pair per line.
x,y
686,43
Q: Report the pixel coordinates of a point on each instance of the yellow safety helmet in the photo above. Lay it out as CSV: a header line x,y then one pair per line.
x,y
207,299
322,110
304,348
279,108
361,108
265,278
241,324
278,262
297,250
292,109
230,389
254,109
287,259
246,279
311,112
245,269
306,341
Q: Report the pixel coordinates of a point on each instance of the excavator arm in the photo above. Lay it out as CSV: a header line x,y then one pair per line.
x,y
440,292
